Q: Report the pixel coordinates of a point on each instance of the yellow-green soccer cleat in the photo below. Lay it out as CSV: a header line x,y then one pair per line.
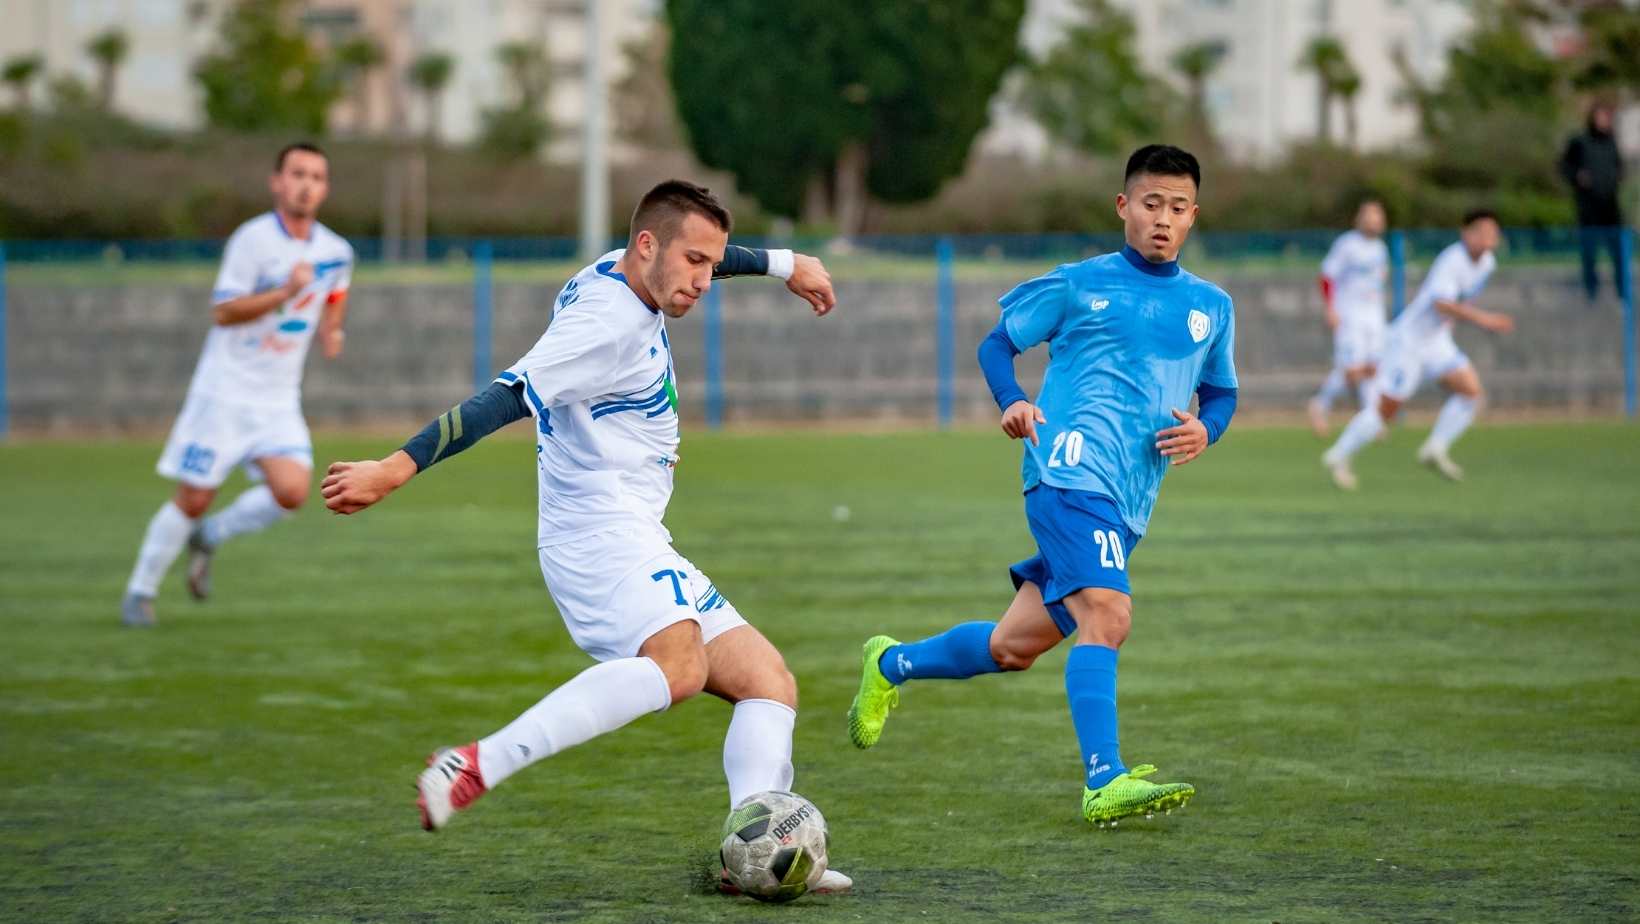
x,y
1130,794
876,697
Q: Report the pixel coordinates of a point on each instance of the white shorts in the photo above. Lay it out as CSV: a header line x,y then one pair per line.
x,y
1408,364
211,437
616,589
1358,342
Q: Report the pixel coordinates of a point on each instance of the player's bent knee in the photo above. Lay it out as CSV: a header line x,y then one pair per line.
x,y
193,502
685,677
1011,656
291,497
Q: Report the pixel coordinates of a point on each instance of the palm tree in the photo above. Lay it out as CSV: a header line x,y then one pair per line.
x,y
1196,63
526,66
20,72
1347,85
1325,55
109,49
356,58
430,74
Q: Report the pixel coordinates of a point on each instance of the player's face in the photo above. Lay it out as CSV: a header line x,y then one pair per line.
x,y
301,184
1371,220
1482,237
1157,212
678,274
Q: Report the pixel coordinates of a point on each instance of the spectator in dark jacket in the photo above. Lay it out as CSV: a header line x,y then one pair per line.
x,y
1592,165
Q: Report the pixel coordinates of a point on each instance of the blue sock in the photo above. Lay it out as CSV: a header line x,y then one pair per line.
x,y
1090,685
960,651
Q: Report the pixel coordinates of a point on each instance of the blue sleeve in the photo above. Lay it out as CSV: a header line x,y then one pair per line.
x,y
1214,408
996,360
466,424
1220,366
742,261
1031,311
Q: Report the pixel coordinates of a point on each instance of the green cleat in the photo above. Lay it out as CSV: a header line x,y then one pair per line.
x,y
1130,794
876,697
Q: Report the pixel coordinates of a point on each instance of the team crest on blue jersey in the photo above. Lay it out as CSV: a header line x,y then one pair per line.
x,y
1200,325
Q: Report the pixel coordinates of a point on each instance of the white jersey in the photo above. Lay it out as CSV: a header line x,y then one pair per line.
x,y
1453,277
259,363
599,384
1358,267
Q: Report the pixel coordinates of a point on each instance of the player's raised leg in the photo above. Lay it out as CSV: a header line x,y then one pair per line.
x,y
283,491
1462,403
1111,791
670,666
965,650
162,542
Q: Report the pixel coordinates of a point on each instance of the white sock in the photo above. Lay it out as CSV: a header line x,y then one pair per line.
x,y
1456,415
1362,429
757,751
253,510
599,699
1367,391
1336,384
167,532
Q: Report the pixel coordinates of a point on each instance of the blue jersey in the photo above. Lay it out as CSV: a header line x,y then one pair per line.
x,y
1125,348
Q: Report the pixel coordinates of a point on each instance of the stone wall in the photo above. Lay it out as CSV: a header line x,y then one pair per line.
x,y
112,358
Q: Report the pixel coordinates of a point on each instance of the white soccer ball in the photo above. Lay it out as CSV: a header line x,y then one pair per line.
x,y
774,846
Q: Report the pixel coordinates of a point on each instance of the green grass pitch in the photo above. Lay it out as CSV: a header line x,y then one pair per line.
x,y
1420,702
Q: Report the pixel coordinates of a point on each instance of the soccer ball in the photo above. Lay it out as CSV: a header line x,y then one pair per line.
x,y
774,846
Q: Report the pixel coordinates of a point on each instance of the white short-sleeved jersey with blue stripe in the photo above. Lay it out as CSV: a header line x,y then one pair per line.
x,y
259,363
1358,267
1125,348
599,384
1453,277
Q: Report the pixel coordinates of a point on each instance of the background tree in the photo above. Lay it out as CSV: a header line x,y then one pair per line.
x,y
1195,63
1611,58
19,73
109,49
430,73
1326,57
1089,91
851,99
519,129
263,75
356,58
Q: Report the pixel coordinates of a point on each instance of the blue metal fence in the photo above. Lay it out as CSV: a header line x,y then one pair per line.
x,y
946,252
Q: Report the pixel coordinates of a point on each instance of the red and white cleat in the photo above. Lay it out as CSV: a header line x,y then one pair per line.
x,y
831,882
450,783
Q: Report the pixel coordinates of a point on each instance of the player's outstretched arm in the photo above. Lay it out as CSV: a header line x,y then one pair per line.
x,y
352,486
1494,321
805,276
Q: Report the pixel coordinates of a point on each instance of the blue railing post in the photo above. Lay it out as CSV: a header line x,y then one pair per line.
x,y
945,332
5,399
714,357
1397,271
483,309
1625,288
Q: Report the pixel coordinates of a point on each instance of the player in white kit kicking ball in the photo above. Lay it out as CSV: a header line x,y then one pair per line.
x,y
1421,347
599,384
1352,283
284,278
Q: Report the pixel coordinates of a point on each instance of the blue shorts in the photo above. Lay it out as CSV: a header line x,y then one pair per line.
x,y
1081,542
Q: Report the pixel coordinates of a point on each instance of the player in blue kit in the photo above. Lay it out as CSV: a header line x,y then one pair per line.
x,y
1131,339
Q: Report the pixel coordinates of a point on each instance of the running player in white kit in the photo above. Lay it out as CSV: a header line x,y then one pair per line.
x,y
1352,284
283,280
599,385
1421,347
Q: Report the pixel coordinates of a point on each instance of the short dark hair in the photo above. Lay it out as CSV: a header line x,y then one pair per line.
x,y
661,210
284,152
1163,160
1478,214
